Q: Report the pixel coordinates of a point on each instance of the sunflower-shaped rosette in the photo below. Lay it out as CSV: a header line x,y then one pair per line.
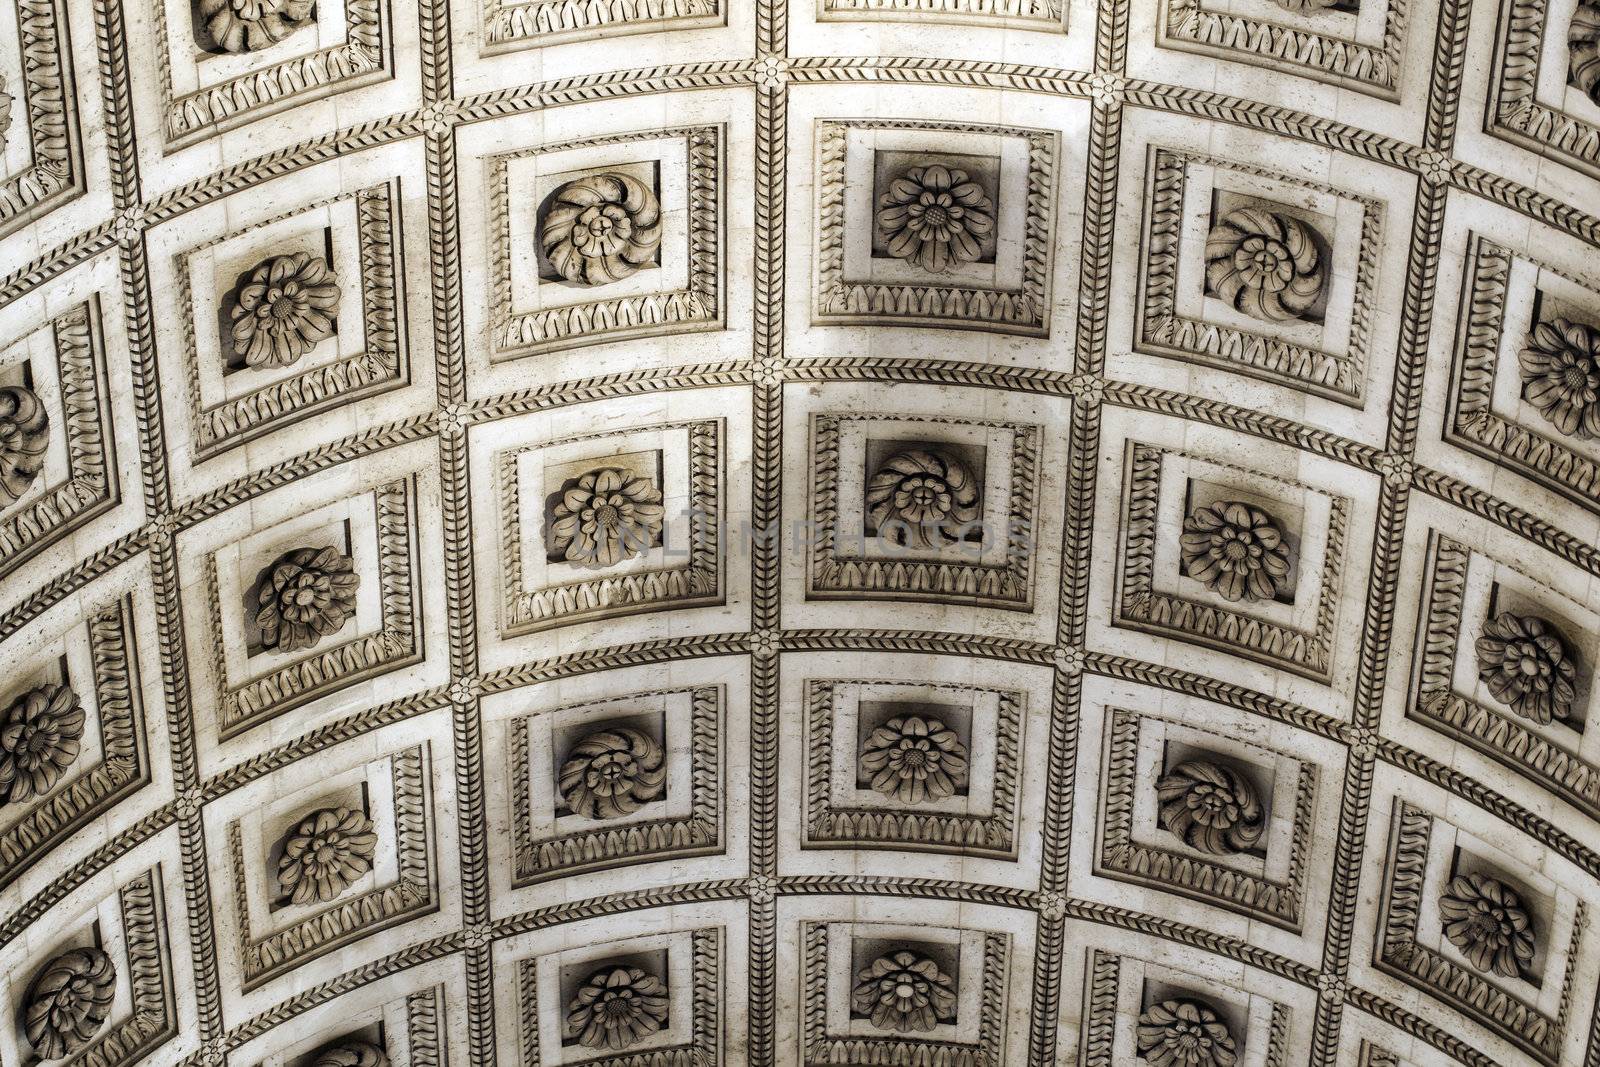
x,y
904,991
285,307
914,759
1526,665
1184,1033
1485,919
936,217
325,854
40,735
1560,367
601,228
1265,264
605,517
616,1008
1236,549
922,498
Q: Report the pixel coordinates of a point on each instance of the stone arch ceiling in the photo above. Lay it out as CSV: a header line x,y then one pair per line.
x,y
397,397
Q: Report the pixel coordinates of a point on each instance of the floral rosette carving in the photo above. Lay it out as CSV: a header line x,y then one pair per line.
x,y
1306,7
601,228
904,991
935,217
284,309
69,1002
1484,918
1583,44
616,1008
307,595
921,498
325,854
914,759
1211,807
352,1054
1525,664
612,773
24,436
39,740
1560,367
605,517
1236,549
1184,1033
251,25
1265,264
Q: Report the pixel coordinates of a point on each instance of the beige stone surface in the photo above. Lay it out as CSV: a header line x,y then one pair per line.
x,y
735,533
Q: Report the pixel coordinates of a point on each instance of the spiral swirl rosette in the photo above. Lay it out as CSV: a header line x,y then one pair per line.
x,y
601,228
1265,264
922,498
69,1002
612,773
24,436
1211,807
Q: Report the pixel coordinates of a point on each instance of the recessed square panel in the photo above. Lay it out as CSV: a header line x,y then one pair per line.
x,y
59,470
1259,273
925,223
218,71
1545,87
1349,44
292,316
606,239
1234,559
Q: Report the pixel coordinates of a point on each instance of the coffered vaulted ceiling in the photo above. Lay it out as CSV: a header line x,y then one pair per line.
x,y
651,533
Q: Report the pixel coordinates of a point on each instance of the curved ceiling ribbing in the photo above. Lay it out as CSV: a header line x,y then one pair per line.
x,y
467,588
